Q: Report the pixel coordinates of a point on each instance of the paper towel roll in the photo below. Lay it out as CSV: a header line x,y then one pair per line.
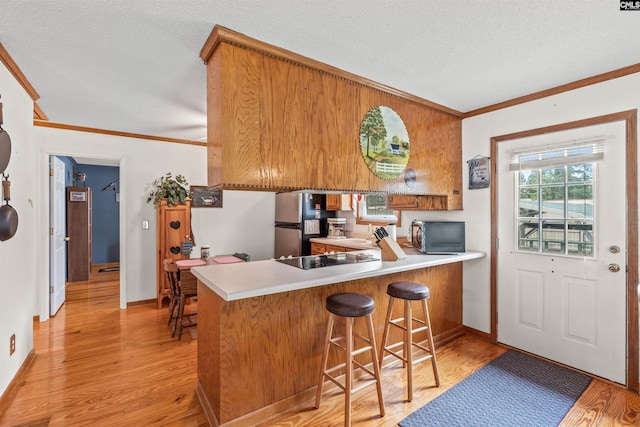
x,y
391,229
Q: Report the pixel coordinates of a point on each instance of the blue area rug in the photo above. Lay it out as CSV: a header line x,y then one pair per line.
x,y
513,390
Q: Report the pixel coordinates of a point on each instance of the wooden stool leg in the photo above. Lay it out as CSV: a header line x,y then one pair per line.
x,y
432,348
348,384
376,364
325,357
408,346
385,335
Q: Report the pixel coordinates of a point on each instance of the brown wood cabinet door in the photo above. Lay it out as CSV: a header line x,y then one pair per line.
x,y
333,202
334,248
338,202
79,233
420,203
402,202
318,248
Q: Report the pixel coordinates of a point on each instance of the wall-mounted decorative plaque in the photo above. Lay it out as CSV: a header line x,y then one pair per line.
x,y
202,197
479,174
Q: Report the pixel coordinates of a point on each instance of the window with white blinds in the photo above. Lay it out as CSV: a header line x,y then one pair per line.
x,y
553,155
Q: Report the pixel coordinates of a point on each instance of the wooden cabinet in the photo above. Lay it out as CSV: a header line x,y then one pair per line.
x,y
278,121
417,203
336,248
338,202
318,248
321,248
79,233
173,225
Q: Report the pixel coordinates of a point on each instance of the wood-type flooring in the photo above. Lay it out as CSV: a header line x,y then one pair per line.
x,y
99,365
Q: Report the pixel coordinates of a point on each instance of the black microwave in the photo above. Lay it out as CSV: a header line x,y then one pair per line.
x,y
438,237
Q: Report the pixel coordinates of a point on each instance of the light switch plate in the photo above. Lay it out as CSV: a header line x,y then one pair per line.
x,y
145,225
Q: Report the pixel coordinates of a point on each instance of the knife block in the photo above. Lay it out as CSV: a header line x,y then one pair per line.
x,y
391,251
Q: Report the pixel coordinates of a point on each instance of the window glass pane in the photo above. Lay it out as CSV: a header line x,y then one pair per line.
x,y
553,201
529,177
580,238
552,175
528,204
580,203
580,173
553,236
556,209
376,205
528,235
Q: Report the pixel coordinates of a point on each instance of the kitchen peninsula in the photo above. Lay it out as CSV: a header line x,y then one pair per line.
x,y
261,325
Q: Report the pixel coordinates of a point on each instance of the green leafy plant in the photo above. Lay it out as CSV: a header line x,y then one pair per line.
x,y
174,190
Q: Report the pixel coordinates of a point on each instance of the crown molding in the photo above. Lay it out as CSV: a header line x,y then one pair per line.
x,y
599,78
63,126
13,68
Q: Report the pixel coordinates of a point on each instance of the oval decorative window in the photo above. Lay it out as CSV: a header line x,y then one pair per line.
x,y
384,142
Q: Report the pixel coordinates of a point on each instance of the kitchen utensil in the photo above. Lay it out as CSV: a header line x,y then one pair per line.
x,y
8,215
5,145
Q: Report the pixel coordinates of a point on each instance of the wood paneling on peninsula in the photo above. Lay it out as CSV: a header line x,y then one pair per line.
x,y
261,355
278,121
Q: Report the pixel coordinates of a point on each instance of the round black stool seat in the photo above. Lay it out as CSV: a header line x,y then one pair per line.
x,y
350,304
408,290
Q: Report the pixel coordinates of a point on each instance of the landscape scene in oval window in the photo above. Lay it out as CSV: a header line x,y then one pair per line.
x,y
384,142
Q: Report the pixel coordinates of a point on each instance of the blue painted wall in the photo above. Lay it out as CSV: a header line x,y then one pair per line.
x,y
105,219
69,165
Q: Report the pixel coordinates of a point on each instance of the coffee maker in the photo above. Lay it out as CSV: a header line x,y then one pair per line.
x,y
337,228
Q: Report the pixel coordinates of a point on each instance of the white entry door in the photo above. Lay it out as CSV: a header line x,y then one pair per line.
x,y
562,253
58,249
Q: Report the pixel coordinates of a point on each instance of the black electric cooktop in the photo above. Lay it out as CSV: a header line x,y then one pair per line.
x,y
327,260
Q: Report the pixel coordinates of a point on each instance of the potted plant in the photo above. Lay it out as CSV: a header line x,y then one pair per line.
x,y
174,190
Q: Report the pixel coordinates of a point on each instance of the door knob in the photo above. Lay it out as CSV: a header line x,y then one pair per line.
x,y
614,268
66,239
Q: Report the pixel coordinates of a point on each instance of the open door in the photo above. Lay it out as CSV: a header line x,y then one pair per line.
x,y
57,252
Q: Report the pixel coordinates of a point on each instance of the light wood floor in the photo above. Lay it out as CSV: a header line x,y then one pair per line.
x,y
101,366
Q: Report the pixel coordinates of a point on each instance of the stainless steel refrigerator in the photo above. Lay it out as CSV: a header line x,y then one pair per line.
x,y
299,217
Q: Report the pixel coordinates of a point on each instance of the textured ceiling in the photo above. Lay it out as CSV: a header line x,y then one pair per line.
x,y
134,66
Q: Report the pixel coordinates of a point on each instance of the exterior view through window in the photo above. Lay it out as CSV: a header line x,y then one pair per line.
x,y
555,210
373,209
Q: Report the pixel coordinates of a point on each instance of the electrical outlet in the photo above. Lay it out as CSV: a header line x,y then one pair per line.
x,y
12,344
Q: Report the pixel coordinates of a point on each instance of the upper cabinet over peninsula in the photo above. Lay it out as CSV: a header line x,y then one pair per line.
x,y
278,121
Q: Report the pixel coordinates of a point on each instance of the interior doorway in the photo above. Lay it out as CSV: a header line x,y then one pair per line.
x,y
98,179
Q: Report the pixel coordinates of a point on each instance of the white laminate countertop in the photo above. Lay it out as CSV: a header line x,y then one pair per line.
x,y
257,278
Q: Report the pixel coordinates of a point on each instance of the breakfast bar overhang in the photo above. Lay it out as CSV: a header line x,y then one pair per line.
x,y
261,325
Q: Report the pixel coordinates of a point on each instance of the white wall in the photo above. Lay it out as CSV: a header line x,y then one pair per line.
x,y
604,98
229,229
17,255
243,224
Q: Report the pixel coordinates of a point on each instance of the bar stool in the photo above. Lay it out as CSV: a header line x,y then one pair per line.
x,y
409,292
350,306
